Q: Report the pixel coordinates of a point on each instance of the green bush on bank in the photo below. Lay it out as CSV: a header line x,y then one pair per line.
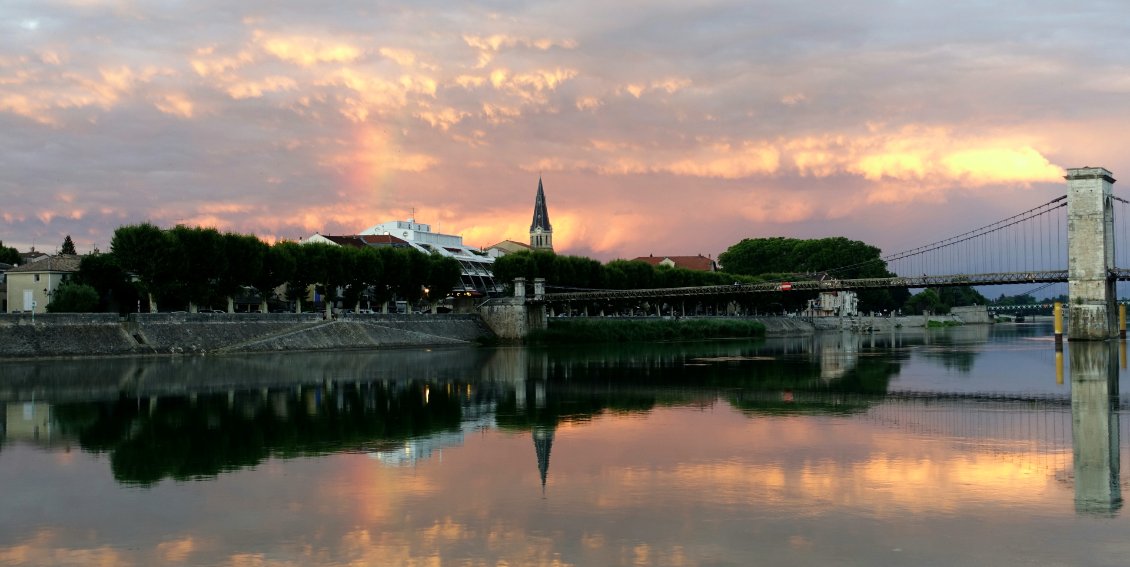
x,y
604,330
933,324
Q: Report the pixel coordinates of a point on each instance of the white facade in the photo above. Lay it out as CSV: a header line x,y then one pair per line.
x,y
834,304
477,273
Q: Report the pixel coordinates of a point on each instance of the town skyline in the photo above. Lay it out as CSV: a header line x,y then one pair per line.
x,y
671,130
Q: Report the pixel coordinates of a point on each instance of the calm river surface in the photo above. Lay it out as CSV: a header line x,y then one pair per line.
x,y
969,446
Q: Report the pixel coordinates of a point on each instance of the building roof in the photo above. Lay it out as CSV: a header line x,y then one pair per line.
x,y
510,246
64,263
382,240
700,263
541,213
359,240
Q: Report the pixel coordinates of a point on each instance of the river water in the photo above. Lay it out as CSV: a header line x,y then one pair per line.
x,y
970,446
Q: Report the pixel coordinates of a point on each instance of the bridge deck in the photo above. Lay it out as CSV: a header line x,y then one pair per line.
x,y
1048,276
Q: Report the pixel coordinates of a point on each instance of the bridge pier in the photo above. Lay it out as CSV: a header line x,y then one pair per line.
x,y
1090,255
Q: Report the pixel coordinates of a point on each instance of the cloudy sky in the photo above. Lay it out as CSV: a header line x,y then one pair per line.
x,y
665,127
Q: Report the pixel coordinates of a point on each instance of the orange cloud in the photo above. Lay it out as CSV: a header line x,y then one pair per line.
x,y
176,104
488,46
255,89
307,51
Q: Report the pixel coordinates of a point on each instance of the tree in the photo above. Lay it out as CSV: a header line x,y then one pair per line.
x,y
299,279
443,274
9,255
245,256
144,251
199,263
71,297
836,257
278,268
363,270
68,246
957,296
115,290
926,300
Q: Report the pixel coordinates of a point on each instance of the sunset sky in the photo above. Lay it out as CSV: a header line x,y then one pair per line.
x,y
661,127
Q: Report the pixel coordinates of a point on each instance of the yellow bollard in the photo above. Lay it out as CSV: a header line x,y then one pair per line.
x,y
1057,309
1059,367
1122,321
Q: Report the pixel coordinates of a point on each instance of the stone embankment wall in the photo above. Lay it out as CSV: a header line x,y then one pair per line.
x,y
63,335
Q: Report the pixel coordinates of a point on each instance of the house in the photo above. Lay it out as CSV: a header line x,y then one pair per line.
x,y
506,247
698,263
31,285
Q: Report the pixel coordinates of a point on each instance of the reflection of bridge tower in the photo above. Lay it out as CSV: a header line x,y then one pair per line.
x,y
1095,427
543,443
1090,254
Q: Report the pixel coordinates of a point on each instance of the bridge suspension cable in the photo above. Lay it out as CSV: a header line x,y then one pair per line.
x,y
1014,243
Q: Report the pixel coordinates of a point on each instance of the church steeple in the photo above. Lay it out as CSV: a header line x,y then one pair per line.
x,y
541,232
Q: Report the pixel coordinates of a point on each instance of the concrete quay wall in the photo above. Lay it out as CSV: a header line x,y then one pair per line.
x,y
206,333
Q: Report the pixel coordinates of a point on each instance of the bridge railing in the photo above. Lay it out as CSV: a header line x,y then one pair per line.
x,y
817,285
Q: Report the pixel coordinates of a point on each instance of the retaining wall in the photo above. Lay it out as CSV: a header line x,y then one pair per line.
x,y
201,333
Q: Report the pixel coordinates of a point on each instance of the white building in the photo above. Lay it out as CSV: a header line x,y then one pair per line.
x,y
834,304
477,274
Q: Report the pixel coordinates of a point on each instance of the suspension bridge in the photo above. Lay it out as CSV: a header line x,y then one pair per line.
x,y
1069,239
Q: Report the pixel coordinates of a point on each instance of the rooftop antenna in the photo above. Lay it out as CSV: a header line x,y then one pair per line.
x,y
412,215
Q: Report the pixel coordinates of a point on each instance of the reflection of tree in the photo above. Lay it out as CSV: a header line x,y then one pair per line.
x,y
581,383
185,438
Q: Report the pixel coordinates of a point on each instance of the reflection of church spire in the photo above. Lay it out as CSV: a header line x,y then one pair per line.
x,y
543,442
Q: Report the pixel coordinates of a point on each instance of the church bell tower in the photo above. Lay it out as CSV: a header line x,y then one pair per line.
x,y
541,232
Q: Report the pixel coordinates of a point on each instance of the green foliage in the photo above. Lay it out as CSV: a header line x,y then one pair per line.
x,y
926,300
940,300
443,274
1022,299
115,290
68,246
843,258
73,297
792,258
144,251
958,296
942,324
198,262
604,330
9,255
246,257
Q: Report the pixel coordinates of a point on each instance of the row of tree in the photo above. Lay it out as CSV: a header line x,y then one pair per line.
x,y
201,266
749,261
193,266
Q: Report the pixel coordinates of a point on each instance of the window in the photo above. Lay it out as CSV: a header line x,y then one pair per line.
x,y
36,277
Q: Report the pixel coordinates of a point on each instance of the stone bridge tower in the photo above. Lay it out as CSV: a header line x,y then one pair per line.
x,y
1090,255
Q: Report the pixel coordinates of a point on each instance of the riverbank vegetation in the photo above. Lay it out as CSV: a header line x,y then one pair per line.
x,y
186,266
614,330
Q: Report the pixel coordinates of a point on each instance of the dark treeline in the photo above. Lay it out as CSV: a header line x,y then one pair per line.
x,y
754,260
189,267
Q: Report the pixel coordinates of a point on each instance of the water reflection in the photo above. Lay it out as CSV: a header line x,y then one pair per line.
x,y
1095,427
199,417
798,451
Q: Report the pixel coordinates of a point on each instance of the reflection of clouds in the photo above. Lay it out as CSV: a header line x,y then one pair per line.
x,y
45,549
